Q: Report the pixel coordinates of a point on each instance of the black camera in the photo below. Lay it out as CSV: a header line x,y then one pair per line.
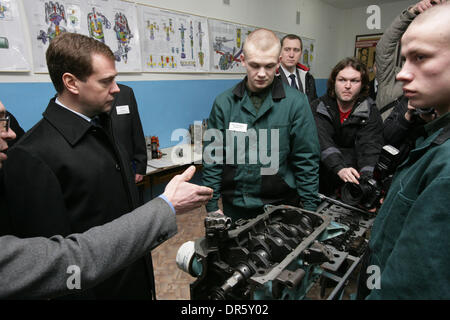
x,y
370,190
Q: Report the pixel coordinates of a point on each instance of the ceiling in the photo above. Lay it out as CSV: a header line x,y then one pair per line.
x,y
348,4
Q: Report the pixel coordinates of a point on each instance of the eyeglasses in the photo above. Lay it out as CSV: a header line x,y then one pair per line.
x,y
4,124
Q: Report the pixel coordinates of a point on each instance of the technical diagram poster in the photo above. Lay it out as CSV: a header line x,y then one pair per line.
x,y
110,21
226,41
115,23
13,55
47,19
309,53
173,42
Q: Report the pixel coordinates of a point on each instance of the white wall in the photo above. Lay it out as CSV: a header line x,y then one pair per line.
x,y
355,23
276,15
333,29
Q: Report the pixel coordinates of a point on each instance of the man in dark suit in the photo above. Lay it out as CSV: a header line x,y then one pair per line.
x,y
291,71
127,130
67,174
37,267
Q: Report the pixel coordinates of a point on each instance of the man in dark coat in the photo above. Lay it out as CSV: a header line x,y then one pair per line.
x,y
127,130
349,127
291,71
36,268
67,174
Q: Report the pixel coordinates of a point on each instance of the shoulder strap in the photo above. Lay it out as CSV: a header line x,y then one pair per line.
x,y
443,136
390,105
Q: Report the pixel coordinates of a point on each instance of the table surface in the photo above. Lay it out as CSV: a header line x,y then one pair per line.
x,y
171,158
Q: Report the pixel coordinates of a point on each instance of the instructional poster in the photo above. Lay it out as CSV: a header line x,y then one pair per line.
x,y
227,40
173,41
112,22
309,53
115,23
13,55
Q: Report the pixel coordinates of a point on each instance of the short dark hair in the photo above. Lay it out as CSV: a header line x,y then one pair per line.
x,y
292,37
355,64
72,53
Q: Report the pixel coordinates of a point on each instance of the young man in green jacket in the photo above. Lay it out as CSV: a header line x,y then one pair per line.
x,y
410,238
261,146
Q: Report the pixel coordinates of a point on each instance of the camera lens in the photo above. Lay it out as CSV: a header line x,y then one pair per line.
x,y
351,193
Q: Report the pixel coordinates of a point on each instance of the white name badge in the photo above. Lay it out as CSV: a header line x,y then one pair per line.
x,y
240,127
122,110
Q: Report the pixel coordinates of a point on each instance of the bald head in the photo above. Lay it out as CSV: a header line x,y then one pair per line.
x,y
434,20
262,40
261,58
426,50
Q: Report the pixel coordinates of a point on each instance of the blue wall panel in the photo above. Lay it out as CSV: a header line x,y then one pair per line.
x,y
164,106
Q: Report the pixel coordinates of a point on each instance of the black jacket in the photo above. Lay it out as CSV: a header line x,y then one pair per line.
x,y
310,83
127,129
401,133
65,176
359,138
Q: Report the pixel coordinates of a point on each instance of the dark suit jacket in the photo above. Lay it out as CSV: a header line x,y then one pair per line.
x,y
310,84
127,129
65,176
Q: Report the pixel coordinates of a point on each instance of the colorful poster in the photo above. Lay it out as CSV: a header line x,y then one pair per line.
x,y
112,22
308,53
13,54
115,23
365,47
226,42
172,41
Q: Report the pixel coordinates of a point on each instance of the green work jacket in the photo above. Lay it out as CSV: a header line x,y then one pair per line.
x,y
282,131
410,240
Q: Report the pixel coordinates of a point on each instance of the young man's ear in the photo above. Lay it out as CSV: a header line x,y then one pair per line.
x,y
242,57
70,83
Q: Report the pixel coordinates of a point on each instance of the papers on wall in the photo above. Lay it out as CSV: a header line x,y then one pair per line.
x,y
112,22
142,38
13,56
173,41
227,40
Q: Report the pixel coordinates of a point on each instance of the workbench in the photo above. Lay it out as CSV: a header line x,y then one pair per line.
x,y
172,163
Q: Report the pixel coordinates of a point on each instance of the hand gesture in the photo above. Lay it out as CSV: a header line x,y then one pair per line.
x,y
186,196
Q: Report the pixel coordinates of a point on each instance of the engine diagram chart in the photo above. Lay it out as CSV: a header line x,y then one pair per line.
x,y
13,55
112,22
173,42
309,53
226,43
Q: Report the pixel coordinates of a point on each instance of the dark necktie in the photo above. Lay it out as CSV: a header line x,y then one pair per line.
x,y
299,83
96,121
293,84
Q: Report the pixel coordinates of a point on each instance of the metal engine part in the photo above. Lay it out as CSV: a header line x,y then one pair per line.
x,y
280,254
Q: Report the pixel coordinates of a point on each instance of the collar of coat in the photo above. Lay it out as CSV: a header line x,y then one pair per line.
x,y
277,89
437,124
298,66
68,124
361,109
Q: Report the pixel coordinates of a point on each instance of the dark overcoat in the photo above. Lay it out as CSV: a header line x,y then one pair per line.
x,y
127,128
65,176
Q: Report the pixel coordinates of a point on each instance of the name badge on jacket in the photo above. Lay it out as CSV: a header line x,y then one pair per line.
x,y
239,127
122,110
